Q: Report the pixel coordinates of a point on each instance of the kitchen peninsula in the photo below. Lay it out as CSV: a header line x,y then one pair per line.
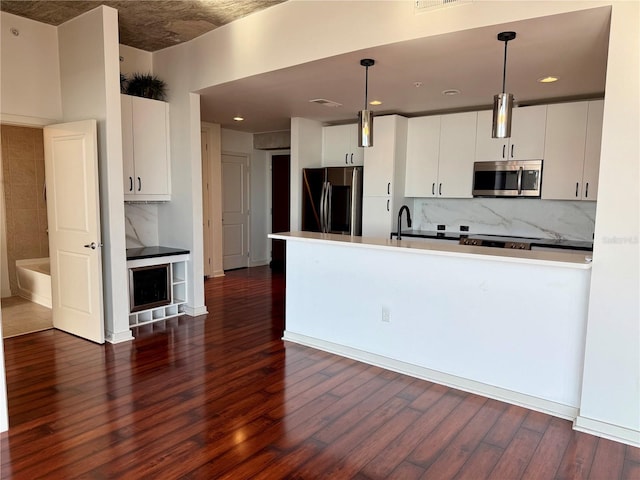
x,y
506,324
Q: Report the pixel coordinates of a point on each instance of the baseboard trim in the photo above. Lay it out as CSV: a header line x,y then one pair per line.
x,y
607,430
195,311
119,337
566,412
258,263
218,273
6,292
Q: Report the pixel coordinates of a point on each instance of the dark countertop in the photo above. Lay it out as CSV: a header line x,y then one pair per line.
x,y
535,242
151,252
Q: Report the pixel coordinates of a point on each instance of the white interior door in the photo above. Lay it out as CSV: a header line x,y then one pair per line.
x,y
71,165
235,211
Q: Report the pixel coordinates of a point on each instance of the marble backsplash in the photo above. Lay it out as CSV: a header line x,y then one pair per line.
x,y
141,224
508,216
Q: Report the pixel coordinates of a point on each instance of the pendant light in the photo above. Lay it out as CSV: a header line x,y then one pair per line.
x,y
503,102
365,117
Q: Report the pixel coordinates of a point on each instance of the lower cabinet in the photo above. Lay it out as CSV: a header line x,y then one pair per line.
x,y
377,217
176,286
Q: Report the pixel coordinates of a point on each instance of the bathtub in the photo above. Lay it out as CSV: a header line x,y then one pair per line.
x,y
34,280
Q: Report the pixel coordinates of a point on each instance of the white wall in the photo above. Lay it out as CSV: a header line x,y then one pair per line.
x,y
30,74
260,213
90,82
134,60
611,384
306,151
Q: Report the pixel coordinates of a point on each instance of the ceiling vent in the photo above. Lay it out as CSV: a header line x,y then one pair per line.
x,y
326,103
421,6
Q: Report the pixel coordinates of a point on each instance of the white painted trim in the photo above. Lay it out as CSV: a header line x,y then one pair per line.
x,y
5,292
195,311
218,273
119,337
607,430
258,263
24,121
527,401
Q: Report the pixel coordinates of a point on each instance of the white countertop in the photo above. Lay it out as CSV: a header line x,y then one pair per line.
x,y
557,258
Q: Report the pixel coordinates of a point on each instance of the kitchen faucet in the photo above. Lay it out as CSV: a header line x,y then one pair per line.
x,y
402,209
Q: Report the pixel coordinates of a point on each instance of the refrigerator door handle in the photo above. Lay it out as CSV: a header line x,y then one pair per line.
x,y
328,209
354,189
322,194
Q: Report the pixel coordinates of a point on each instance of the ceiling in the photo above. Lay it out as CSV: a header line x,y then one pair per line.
x,y
145,24
571,46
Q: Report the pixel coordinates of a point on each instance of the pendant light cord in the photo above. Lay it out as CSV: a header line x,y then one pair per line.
x,y
366,86
504,69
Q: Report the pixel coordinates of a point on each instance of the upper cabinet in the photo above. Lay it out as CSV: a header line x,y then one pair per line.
x,y
572,151
145,149
440,155
384,176
423,155
340,146
527,136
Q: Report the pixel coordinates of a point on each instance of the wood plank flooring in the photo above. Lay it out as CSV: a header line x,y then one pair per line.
x,y
221,396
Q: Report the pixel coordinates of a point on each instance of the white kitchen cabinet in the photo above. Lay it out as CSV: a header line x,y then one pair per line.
x,y
569,173
340,146
423,154
592,150
457,146
440,155
377,217
384,175
145,149
527,136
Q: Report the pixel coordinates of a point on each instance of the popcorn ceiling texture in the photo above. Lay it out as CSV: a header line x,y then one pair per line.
x,y
146,24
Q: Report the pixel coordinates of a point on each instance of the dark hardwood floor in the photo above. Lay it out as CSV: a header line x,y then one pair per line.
x,y
221,396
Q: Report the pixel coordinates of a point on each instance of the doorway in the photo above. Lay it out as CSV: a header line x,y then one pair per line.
x,y
280,207
23,213
235,211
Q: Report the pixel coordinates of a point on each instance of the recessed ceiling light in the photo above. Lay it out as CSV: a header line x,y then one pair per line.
x,y
238,119
375,102
548,79
450,92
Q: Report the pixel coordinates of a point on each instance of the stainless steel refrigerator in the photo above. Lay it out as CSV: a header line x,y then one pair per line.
x,y
332,200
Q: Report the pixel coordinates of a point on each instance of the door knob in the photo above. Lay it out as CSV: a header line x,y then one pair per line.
x,y
93,245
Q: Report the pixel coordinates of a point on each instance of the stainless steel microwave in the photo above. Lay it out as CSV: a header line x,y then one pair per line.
x,y
512,178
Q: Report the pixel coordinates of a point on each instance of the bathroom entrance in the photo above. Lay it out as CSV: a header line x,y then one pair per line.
x,y
25,281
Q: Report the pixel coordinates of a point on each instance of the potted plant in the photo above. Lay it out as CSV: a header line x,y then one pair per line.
x,y
146,85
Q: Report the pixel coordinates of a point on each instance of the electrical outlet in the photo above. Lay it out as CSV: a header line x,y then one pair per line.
x,y
386,315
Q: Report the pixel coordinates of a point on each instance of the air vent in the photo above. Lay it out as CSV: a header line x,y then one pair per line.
x,y
426,5
325,102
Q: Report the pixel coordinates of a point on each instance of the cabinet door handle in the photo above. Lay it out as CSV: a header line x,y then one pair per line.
x,y
586,190
433,188
512,151
389,188
352,159
440,189
387,205
139,184
503,150
346,161
131,184
577,184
